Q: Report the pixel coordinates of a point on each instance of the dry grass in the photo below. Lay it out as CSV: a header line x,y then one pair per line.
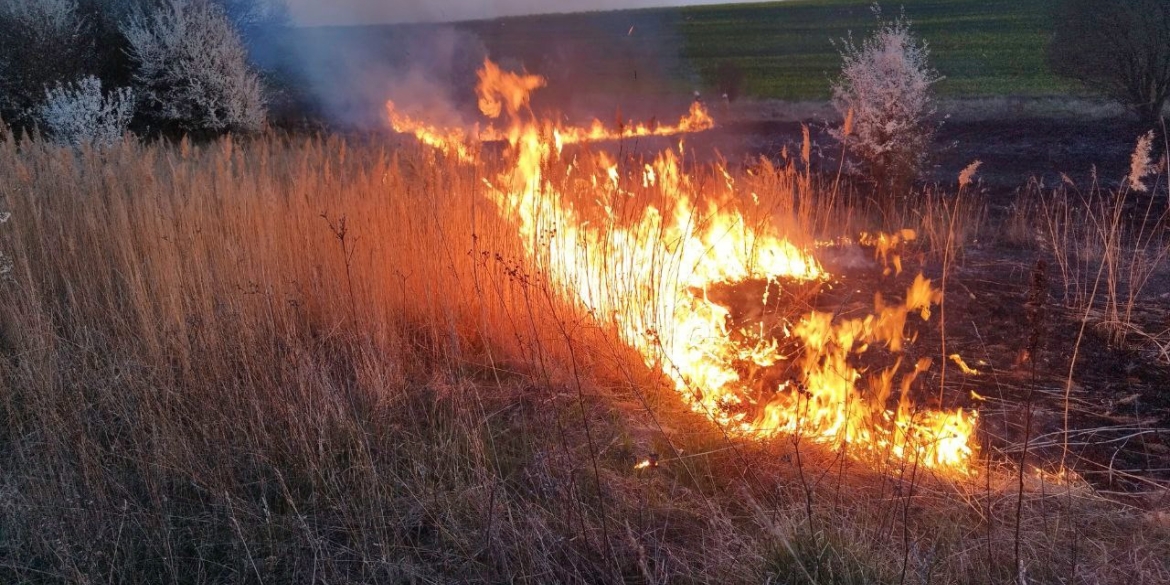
x,y
319,361
1109,246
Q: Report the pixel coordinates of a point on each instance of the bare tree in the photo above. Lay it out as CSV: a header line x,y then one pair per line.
x,y
192,68
1121,47
885,93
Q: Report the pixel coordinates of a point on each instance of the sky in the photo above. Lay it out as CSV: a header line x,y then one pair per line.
x,y
332,12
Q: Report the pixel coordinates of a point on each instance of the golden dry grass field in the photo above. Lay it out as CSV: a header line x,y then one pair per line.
x,y
335,360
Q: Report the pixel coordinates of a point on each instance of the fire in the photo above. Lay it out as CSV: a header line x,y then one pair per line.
x,y
649,275
499,90
503,92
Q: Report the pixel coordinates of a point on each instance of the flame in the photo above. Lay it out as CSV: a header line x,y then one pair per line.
x,y
963,367
886,247
503,92
648,276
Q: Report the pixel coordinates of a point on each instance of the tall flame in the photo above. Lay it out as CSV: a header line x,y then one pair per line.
x,y
649,277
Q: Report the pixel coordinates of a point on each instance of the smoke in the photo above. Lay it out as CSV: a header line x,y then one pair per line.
x,y
345,75
615,66
612,66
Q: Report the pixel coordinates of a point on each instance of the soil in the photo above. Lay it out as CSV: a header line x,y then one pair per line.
x,y
1005,317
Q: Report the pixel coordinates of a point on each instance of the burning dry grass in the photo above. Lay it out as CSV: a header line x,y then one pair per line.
x,y
303,361
642,263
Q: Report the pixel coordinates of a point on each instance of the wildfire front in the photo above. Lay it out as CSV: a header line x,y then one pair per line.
x,y
651,254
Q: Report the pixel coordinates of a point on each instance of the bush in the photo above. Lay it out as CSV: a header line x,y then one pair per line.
x,y
885,94
41,43
79,114
1119,47
192,69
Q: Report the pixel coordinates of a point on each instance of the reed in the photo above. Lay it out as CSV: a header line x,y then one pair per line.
x,y
326,360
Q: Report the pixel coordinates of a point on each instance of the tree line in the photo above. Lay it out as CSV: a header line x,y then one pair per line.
x,y
89,70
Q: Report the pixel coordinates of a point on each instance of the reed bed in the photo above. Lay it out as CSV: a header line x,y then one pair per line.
x,y
326,360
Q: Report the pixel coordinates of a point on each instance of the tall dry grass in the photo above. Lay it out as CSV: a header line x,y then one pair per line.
x,y
1110,247
224,361
319,360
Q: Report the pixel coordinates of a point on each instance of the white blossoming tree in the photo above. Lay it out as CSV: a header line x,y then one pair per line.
x,y
192,69
886,90
79,114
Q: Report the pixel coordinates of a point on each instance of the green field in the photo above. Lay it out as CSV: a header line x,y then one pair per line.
x,y
631,59
982,47
786,49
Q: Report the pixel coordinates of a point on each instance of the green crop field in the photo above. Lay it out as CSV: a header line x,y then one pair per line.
x,y
782,50
786,50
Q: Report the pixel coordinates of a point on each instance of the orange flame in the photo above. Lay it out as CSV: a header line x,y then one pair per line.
x,y
648,277
501,92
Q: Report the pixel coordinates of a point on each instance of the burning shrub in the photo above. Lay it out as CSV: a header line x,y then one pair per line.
x,y
193,70
885,88
79,114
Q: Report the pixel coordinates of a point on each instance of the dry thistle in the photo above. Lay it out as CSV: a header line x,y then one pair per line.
x,y
1140,164
806,147
1035,311
968,173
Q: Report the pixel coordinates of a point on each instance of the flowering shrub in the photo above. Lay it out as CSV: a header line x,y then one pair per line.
x,y
78,113
885,89
192,68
